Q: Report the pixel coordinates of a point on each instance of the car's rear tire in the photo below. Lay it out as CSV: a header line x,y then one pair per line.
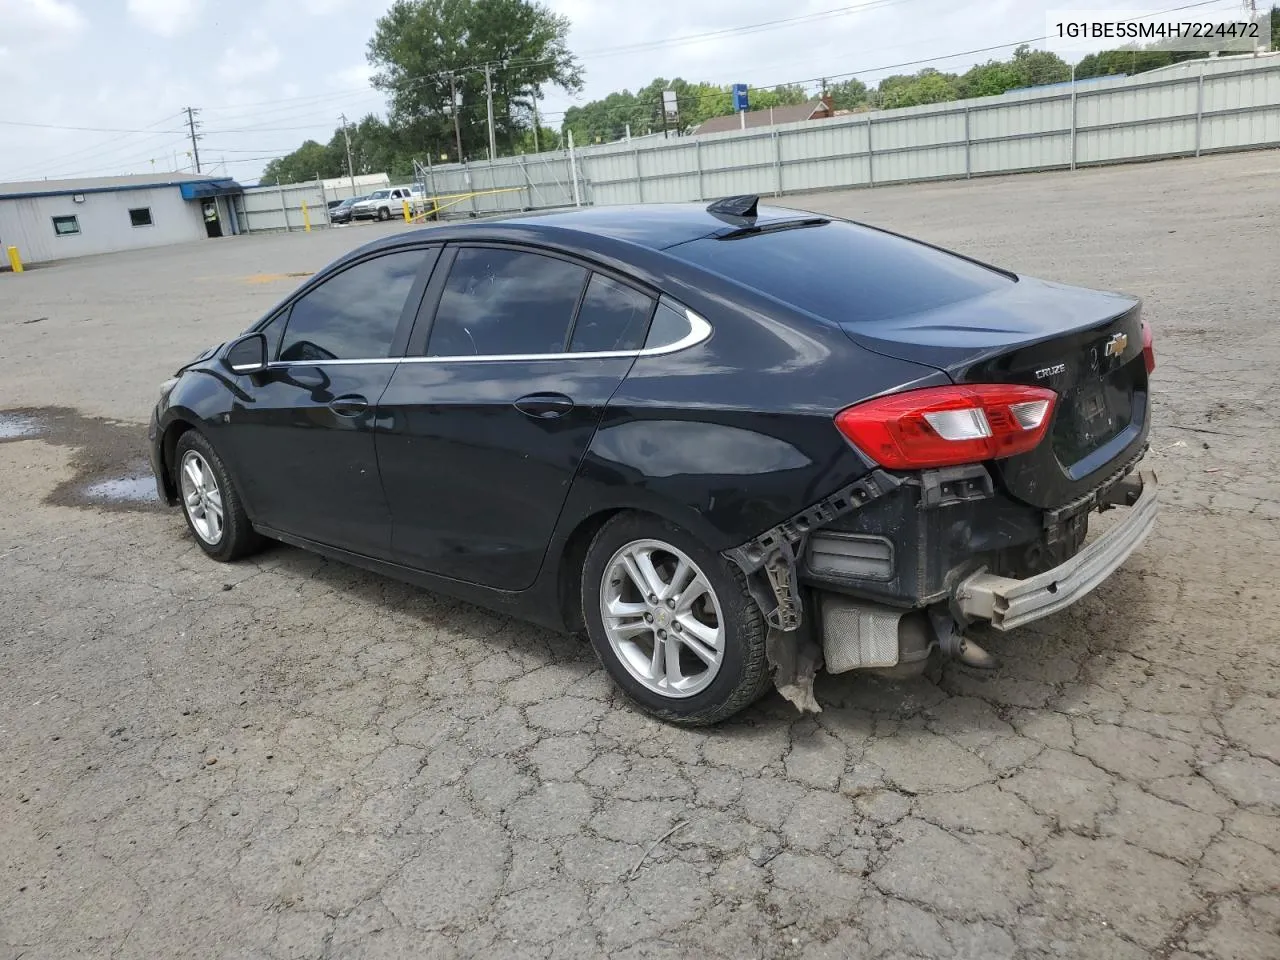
x,y
672,621
210,502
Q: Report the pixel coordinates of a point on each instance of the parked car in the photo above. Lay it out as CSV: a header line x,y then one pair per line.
x,y
715,438
342,213
382,204
333,204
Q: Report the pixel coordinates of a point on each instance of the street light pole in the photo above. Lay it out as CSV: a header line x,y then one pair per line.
x,y
488,92
453,99
351,170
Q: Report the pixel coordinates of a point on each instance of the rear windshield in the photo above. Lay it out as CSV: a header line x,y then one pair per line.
x,y
843,272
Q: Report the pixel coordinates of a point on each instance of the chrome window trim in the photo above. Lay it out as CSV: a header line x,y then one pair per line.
x,y
699,330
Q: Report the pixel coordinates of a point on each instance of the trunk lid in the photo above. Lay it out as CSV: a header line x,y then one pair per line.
x,y
1083,344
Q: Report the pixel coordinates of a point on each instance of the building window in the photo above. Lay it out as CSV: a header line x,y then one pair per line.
x,y
140,216
66,226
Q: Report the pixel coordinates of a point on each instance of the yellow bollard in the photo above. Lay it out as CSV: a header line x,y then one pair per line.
x,y
15,261
407,217
306,218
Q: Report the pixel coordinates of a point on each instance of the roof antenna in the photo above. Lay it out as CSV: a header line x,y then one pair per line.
x,y
743,206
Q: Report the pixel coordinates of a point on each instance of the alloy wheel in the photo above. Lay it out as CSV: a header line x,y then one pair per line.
x,y
201,497
662,618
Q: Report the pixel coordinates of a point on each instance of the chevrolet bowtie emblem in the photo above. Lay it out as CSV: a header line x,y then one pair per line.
x,y
1115,346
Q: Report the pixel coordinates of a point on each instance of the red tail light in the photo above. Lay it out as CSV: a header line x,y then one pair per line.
x,y
1148,348
942,426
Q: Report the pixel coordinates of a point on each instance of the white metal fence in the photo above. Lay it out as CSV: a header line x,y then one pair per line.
x,y
279,209
1191,108
510,183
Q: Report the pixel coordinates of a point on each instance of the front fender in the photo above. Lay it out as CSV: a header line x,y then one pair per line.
x,y
202,399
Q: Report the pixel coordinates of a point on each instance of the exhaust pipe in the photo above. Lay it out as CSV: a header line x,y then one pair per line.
x,y
954,645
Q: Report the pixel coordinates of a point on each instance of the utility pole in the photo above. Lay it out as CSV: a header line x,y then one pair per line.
x,y
191,125
453,99
535,121
488,92
351,171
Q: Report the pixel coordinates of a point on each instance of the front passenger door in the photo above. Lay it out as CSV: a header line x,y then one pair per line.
x,y
304,435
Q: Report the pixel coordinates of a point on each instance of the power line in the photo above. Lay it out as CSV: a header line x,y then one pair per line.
x,y
97,149
55,126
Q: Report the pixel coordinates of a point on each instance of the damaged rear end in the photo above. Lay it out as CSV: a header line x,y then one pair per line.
x,y
980,495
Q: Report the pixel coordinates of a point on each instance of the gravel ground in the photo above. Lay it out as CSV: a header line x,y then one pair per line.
x,y
289,758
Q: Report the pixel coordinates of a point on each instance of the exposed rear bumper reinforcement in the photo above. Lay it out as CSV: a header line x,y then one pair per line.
x,y
1011,603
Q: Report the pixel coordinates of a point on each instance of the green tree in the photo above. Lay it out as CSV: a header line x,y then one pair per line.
x,y
418,46
1040,67
309,161
927,86
848,94
989,79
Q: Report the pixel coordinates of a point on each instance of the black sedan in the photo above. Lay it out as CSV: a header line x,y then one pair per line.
x,y
729,442
342,212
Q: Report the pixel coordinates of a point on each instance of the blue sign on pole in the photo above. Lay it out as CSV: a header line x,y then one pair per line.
x,y
740,97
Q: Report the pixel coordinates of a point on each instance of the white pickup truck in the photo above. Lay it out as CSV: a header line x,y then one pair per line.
x,y
386,203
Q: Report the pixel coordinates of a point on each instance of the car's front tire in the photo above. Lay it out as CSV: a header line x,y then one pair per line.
x,y
384,213
210,502
672,621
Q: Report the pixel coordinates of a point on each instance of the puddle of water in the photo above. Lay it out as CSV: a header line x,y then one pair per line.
x,y
123,490
12,428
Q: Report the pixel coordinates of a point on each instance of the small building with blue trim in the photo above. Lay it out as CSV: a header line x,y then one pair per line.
x,y
61,219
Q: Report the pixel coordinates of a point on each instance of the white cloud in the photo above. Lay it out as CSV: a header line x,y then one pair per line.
x,y
322,8
259,56
41,19
169,18
32,29
355,77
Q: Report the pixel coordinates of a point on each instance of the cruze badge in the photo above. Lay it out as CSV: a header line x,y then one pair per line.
x,y
1053,371
1115,346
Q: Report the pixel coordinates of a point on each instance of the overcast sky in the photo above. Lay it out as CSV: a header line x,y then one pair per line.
x,y
267,74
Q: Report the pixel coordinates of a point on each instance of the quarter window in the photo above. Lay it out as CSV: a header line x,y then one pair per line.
x,y
613,316
352,316
503,302
669,326
140,216
66,226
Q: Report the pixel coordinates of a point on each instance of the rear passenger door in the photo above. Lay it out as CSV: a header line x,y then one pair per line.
x,y
512,360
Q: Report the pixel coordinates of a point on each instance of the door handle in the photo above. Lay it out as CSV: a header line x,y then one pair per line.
x,y
352,405
544,406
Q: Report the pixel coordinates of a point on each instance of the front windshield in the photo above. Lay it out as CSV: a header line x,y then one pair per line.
x,y
380,194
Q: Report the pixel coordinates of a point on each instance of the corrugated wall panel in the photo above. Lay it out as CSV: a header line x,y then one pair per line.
x,y
1134,142
1020,118
835,138
928,163
669,161
803,175
1028,153
749,151
1257,128
1232,93
908,132
731,183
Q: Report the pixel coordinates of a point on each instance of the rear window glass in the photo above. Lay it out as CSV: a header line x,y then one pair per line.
x,y
845,273
612,317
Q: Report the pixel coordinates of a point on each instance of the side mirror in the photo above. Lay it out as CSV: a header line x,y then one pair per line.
x,y
248,354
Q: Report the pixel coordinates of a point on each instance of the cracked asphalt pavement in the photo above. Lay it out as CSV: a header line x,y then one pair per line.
x,y
288,758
